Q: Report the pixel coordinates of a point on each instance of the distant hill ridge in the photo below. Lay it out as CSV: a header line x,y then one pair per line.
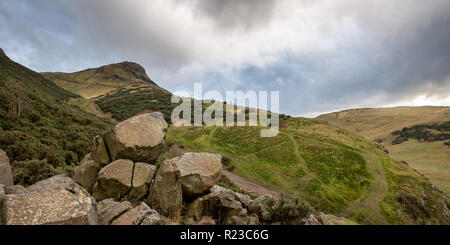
x,y
100,81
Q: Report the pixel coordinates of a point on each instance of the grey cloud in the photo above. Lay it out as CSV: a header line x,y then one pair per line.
x,y
353,77
241,14
399,52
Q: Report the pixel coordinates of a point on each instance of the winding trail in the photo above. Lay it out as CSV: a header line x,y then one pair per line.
x,y
248,186
94,110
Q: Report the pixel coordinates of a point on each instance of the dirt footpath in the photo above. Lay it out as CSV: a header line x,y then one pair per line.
x,y
248,186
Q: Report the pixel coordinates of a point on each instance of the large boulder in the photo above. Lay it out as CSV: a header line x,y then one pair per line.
x,y
114,180
166,194
220,204
199,172
138,216
139,138
142,178
6,177
99,152
55,201
86,173
108,210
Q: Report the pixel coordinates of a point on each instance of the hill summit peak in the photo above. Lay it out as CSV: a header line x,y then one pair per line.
x,y
98,81
2,53
123,71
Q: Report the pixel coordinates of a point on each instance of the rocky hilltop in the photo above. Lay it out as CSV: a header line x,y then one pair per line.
x,y
119,183
102,80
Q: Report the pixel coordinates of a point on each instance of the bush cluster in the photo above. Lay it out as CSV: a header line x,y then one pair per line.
x,y
288,211
423,132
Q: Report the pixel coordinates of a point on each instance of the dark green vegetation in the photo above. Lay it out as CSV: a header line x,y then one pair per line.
x,y
126,103
423,132
41,134
287,211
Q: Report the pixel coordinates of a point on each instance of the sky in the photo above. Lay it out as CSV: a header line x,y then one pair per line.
x,y
322,55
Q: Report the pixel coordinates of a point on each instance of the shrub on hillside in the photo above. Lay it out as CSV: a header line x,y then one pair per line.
x,y
32,171
423,133
288,211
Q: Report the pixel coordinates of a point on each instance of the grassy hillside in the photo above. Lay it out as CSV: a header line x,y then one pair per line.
x,y
333,169
103,80
416,145
40,132
378,123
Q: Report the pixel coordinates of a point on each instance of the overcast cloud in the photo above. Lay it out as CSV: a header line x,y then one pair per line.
x,y
321,55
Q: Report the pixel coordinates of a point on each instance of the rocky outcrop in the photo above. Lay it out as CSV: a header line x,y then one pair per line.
x,y
259,206
139,138
166,193
137,215
246,200
99,152
108,210
85,174
55,201
220,204
114,180
6,177
199,172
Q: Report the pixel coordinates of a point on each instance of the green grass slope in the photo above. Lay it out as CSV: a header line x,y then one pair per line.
x,y
430,157
40,132
333,169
